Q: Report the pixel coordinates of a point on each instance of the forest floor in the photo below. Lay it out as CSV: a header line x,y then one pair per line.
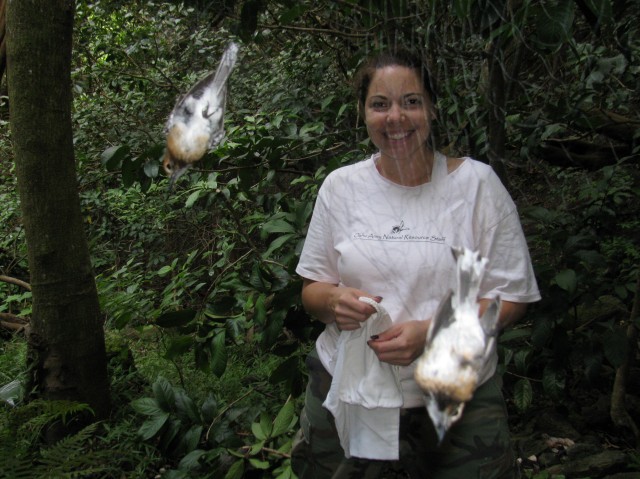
x,y
575,438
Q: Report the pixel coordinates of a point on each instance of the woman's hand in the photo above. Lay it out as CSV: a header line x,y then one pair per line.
x,y
348,310
332,303
402,343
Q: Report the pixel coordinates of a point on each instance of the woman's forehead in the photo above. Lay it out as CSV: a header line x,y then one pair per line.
x,y
395,80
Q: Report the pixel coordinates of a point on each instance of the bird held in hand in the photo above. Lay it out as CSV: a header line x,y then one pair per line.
x,y
458,345
195,124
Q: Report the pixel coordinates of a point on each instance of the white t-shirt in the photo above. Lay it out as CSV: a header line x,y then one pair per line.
x,y
395,241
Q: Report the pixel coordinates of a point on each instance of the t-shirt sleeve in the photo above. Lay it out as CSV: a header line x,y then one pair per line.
x,y
319,258
500,237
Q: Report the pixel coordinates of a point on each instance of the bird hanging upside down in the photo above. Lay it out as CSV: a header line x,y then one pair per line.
x,y
458,345
195,124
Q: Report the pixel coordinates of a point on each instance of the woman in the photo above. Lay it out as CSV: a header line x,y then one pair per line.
x,y
383,229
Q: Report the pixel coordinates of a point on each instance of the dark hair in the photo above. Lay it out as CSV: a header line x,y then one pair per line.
x,y
403,58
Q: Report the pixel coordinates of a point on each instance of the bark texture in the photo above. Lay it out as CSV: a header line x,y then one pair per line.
x,y
66,342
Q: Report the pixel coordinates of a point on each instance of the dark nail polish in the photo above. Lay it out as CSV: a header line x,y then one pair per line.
x,y
375,336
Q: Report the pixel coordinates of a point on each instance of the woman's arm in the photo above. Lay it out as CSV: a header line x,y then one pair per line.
x,y
510,312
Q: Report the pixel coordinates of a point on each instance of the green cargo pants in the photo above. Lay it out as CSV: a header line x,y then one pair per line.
x,y
477,446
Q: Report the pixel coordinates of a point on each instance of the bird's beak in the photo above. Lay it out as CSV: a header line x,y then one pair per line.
x,y
441,431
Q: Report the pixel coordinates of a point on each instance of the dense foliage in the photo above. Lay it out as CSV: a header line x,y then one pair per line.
x,y
198,289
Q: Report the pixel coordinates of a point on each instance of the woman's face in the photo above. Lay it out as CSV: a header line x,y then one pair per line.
x,y
398,112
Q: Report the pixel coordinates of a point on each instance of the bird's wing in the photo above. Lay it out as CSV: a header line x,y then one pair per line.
x,y
443,318
489,319
214,83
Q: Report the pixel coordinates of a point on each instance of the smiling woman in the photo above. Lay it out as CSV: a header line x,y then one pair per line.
x,y
382,231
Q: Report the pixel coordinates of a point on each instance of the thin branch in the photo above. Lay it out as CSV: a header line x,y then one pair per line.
x,y
17,282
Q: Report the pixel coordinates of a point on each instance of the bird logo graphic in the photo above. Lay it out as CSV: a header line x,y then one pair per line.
x,y
195,124
459,343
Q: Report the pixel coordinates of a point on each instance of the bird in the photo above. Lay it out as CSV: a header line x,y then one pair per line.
x,y
458,344
195,125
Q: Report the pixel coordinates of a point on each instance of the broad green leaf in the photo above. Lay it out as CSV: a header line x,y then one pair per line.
x,y
236,471
218,362
164,394
186,407
277,244
515,334
521,360
191,439
552,381
178,346
151,426
283,420
567,280
146,406
278,226
259,464
523,394
112,157
193,197
266,424
191,460
260,311
257,431
554,22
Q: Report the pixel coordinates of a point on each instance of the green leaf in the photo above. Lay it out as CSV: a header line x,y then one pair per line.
x,y
567,280
554,23
218,348
278,226
193,197
259,464
257,431
112,157
191,439
521,359
553,381
260,311
186,407
515,334
152,426
236,471
523,394
192,460
178,345
283,420
164,394
277,244
146,406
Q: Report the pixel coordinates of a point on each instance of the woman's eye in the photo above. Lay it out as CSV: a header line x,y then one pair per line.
x,y
378,105
413,101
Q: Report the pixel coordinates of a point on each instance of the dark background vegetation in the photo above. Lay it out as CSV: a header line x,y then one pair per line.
x,y
204,329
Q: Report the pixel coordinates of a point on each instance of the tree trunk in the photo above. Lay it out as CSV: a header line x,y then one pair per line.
x,y
66,343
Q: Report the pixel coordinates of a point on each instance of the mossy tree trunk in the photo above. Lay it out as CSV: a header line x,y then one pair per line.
x,y
66,343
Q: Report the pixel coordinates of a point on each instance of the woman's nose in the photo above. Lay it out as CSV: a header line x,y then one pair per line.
x,y
394,114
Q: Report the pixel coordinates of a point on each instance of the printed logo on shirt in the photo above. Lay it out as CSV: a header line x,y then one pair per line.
x,y
400,232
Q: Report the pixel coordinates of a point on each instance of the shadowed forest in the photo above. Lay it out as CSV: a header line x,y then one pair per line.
x,y
191,364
